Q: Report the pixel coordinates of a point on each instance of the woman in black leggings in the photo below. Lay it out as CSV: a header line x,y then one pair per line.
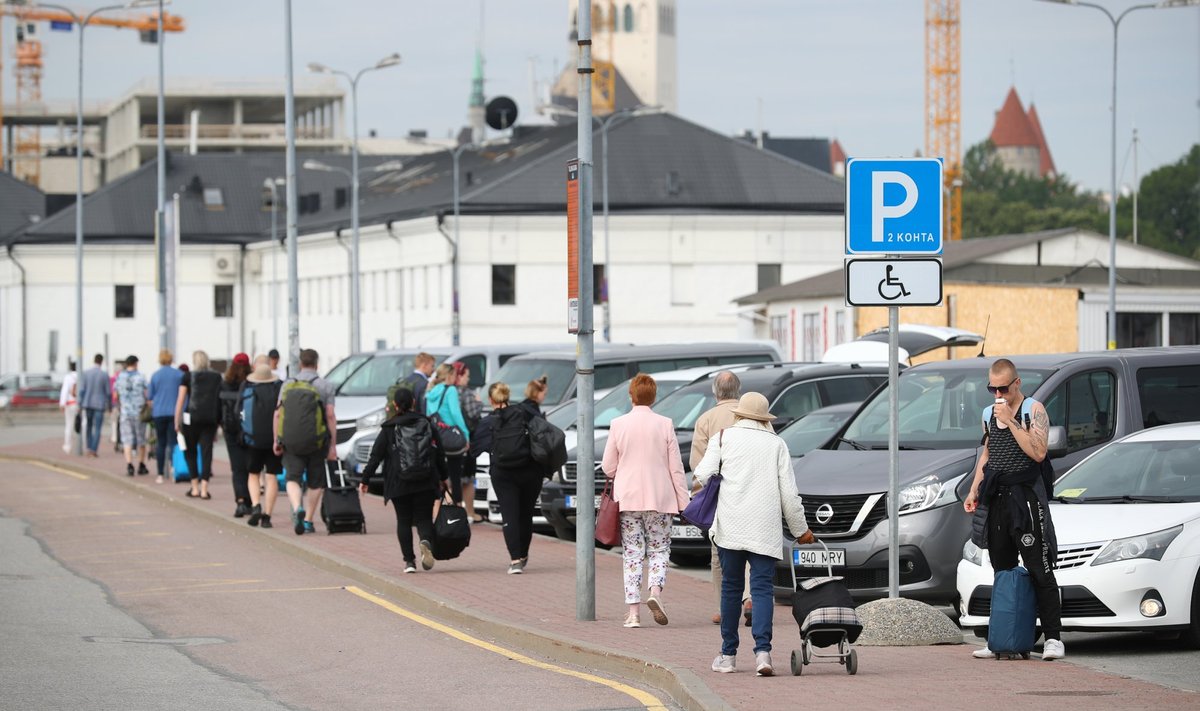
x,y
413,477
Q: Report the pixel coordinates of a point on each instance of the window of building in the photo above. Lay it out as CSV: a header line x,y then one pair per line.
x,y
812,337
223,301
214,199
1170,394
1084,405
504,284
1135,330
340,198
1185,329
768,275
628,12
779,331
599,292
123,299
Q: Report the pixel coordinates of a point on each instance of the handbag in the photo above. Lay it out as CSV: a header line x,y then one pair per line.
x,y
78,421
702,509
147,413
608,523
452,438
452,531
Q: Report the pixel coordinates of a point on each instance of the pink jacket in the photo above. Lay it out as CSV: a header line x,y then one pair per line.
x,y
642,458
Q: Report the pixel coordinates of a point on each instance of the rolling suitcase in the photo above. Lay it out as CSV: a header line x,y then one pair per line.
x,y
341,509
179,464
1012,628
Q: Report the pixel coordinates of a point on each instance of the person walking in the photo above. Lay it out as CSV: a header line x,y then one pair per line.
x,y
95,397
443,401
131,390
418,380
279,371
642,458
259,440
472,411
231,426
303,437
200,393
164,392
414,475
68,402
1011,481
726,389
757,488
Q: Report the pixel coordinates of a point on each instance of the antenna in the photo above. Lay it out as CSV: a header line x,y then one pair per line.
x,y
985,330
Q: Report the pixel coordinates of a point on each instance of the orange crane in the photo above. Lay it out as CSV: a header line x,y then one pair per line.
x,y
26,146
943,117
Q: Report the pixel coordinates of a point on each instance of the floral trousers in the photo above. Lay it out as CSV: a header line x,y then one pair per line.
x,y
646,542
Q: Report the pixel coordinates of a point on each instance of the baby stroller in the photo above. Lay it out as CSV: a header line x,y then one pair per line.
x,y
825,613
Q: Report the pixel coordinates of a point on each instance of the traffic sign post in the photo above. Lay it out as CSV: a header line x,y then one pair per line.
x,y
894,210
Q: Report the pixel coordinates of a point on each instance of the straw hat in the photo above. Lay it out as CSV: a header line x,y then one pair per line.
x,y
753,406
262,374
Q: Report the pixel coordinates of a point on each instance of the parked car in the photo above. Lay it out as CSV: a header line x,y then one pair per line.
x,y
36,396
1091,399
913,339
793,389
11,383
1128,525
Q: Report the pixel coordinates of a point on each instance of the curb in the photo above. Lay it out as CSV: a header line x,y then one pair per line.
x,y
683,685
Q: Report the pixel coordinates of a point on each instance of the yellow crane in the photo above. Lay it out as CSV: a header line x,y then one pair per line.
x,y
943,117
26,146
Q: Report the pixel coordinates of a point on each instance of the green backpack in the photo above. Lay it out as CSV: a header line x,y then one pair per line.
x,y
302,426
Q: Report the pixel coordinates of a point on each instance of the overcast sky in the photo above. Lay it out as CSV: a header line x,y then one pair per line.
x,y
850,69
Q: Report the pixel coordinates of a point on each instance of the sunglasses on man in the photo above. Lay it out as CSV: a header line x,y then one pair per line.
x,y
1001,389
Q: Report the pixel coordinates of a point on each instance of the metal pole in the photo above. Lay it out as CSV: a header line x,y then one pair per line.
x,y
604,284
893,452
79,221
355,311
1135,187
1112,204
274,269
159,223
455,314
585,524
289,117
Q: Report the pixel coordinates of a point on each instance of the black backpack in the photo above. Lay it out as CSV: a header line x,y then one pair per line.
x,y
231,414
204,397
412,452
257,414
510,438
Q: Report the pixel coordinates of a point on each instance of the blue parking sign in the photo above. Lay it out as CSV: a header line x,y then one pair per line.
x,y
894,206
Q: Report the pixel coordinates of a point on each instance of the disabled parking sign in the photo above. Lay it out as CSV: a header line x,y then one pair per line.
x,y
894,206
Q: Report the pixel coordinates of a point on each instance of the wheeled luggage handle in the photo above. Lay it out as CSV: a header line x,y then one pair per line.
x,y
341,474
792,560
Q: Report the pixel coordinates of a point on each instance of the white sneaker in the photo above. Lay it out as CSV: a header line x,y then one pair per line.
x,y
410,568
984,653
1053,649
762,664
725,664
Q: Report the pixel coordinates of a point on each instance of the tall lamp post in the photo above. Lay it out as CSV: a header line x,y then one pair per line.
x,y
353,177
82,21
1112,200
456,314
272,184
389,61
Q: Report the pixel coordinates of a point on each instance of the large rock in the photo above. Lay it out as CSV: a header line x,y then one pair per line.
x,y
897,622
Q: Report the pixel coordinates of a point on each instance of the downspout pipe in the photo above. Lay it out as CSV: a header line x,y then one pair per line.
x,y
242,297
399,280
454,312
24,308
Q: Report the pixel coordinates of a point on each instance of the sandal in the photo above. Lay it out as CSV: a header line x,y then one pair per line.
x,y
206,496
190,495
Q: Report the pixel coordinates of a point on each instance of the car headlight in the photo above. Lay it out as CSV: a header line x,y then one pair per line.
x,y
929,493
972,553
371,420
1150,546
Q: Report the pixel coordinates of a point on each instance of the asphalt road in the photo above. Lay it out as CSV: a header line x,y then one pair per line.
x,y
115,600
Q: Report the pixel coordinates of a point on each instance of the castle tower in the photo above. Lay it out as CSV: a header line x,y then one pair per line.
x,y
475,105
638,38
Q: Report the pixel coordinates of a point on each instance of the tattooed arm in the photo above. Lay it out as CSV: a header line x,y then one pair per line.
x,y
1033,440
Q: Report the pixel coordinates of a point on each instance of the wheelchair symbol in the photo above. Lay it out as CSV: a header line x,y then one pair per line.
x,y
889,281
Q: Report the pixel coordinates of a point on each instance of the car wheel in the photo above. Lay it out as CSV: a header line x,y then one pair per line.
x,y
687,560
1191,636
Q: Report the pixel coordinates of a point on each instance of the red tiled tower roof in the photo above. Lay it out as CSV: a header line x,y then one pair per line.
x,y
1047,162
1013,127
836,154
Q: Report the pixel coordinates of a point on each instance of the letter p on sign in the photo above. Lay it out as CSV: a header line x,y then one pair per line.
x,y
881,211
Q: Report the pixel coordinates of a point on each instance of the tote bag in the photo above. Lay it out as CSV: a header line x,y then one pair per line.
x,y
608,524
702,509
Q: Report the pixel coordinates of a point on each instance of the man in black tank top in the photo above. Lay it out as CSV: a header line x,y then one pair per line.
x,y
1009,481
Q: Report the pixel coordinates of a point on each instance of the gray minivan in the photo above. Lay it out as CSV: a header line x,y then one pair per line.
x,y
1091,399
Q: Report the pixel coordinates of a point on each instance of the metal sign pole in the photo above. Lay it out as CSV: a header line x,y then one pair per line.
x,y
893,452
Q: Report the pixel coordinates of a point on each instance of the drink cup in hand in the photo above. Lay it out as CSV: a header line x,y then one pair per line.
x,y
1000,401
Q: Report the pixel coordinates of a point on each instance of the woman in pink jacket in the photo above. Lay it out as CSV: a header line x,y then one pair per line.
x,y
642,459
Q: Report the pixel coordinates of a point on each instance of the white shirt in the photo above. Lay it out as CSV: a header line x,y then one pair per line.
x,y
66,396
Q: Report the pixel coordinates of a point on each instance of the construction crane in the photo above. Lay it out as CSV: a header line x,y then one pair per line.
x,y
943,117
27,148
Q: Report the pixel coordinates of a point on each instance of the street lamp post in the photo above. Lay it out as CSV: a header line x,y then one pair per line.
x,y
273,184
389,61
1112,200
82,21
456,314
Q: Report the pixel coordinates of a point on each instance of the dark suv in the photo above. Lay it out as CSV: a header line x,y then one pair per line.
x,y
793,389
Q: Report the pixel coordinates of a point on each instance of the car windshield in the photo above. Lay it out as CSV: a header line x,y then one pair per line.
x,y
939,409
377,375
1163,470
345,369
813,430
686,406
517,373
617,402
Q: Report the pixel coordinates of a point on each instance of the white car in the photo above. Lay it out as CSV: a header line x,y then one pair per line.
x,y
1128,525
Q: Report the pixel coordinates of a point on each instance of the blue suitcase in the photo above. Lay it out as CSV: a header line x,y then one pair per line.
x,y
1012,628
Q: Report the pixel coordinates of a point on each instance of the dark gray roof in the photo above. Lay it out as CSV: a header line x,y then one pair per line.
x,y
812,152
961,262
21,205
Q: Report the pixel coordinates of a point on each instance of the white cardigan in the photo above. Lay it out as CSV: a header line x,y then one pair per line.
x,y
757,485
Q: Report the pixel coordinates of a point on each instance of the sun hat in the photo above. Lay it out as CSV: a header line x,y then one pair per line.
x,y
262,374
753,406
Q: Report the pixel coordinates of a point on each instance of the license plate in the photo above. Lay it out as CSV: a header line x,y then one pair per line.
x,y
821,558
482,484
358,468
573,502
686,532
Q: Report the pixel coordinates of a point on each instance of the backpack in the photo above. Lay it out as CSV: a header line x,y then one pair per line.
x,y
1024,415
231,413
302,426
204,397
257,409
510,438
411,454
407,383
547,444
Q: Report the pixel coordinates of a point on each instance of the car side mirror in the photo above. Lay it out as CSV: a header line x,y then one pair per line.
x,y
1056,442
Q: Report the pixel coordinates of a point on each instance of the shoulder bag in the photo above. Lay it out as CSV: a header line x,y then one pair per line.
x,y
608,523
702,509
452,438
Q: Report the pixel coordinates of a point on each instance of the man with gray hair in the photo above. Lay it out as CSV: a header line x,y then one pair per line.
x,y
727,389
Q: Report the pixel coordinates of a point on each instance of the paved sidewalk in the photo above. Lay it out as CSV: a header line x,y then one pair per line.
x,y
537,610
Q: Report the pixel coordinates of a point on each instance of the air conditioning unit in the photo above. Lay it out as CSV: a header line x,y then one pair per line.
x,y
225,266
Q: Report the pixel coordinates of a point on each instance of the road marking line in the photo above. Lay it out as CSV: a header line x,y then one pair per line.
x,y
229,592
60,470
190,566
180,588
648,700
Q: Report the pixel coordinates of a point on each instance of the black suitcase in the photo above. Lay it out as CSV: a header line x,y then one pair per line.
x,y
341,509
452,531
